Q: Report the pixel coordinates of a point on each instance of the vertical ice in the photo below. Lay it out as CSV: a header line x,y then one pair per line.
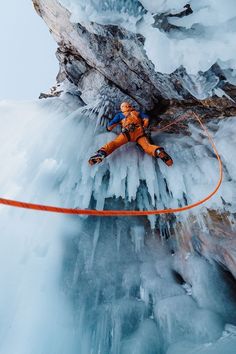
x,y
120,285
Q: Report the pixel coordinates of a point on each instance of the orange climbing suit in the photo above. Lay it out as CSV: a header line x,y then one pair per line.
x,y
133,130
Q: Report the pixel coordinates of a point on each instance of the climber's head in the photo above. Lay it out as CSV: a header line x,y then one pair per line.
x,y
126,107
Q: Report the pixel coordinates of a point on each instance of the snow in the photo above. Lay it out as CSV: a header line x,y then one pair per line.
x,y
206,37
195,50
123,12
163,5
211,41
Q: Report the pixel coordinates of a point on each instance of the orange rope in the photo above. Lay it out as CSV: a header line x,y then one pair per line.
x,y
54,209
169,125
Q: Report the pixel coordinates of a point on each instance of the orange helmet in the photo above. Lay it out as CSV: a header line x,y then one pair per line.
x,y
126,107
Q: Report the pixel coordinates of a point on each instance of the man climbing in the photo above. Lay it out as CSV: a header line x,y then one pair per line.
x,y
133,125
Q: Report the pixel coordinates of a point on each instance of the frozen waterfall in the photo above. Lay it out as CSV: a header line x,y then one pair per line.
x,y
129,285
90,285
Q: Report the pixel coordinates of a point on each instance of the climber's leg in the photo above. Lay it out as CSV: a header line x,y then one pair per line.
x,y
160,152
154,150
108,148
115,144
147,146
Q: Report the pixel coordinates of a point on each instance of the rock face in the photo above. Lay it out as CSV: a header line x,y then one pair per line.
x,y
107,64
104,60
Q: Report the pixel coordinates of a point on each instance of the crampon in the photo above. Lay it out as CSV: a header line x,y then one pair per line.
x,y
160,153
97,158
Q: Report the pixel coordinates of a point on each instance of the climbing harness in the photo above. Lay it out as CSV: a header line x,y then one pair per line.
x,y
54,209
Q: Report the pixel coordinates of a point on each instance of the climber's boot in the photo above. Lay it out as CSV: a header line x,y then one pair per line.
x,y
160,153
97,158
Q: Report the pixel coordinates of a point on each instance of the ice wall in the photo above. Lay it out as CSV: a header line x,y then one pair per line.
x,y
91,285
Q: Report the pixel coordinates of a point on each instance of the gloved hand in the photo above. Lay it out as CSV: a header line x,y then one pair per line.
x,y
107,128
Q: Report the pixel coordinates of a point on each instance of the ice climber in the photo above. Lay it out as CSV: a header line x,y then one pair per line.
x,y
133,125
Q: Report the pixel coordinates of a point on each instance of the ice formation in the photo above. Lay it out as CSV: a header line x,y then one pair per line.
x,y
208,38
162,285
51,257
63,165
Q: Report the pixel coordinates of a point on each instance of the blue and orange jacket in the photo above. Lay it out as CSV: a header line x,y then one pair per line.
x,y
134,117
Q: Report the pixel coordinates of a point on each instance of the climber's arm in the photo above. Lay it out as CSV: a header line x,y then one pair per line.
x,y
145,119
113,123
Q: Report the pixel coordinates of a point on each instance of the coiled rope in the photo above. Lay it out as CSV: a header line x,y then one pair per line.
x,y
54,209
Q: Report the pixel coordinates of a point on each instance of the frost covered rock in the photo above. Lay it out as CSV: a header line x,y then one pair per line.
x,y
107,58
113,52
